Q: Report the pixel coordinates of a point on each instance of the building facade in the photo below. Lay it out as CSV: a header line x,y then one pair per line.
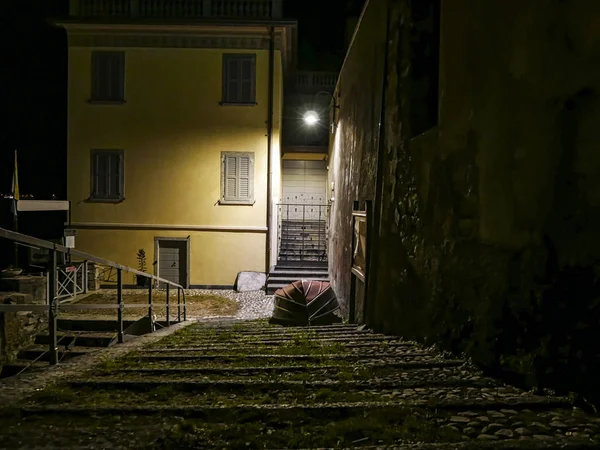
x,y
174,129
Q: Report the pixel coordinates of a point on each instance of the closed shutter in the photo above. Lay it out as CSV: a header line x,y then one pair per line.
x,y
238,178
107,174
108,76
231,179
244,178
239,78
304,182
247,83
232,81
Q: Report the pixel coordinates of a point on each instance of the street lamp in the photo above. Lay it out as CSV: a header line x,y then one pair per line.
x,y
311,117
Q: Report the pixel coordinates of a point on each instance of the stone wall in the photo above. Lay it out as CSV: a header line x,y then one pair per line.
x,y
487,241
353,152
18,329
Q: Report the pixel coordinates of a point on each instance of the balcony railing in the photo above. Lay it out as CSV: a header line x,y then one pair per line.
x,y
177,9
316,81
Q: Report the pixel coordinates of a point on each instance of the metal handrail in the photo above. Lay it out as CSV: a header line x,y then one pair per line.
x,y
54,305
25,239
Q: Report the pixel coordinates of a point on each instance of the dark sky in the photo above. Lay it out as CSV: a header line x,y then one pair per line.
x,y
34,82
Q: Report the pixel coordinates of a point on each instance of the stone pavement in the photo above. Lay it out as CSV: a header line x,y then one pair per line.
x,y
245,384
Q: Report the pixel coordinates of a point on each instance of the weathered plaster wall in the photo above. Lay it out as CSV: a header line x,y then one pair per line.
x,y
489,222
353,151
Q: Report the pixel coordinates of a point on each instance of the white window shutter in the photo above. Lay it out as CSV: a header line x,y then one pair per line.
x,y
244,178
237,178
230,171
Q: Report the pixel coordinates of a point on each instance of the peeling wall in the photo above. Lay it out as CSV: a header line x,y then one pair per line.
x,y
488,241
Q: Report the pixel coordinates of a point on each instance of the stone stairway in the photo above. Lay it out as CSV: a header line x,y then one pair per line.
x,y
251,385
76,337
287,272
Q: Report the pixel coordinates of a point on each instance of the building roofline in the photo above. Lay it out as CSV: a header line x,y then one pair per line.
x,y
360,19
287,28
64,22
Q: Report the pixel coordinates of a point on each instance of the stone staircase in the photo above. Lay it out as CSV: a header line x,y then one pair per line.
x,y
76,337
286,273
303,239
251,385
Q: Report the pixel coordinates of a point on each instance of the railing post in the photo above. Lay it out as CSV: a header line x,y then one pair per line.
x,y
150,305
85,277
276,9
206,8
74,273
52,311
168,309
134,8
121,337
184,308
178,304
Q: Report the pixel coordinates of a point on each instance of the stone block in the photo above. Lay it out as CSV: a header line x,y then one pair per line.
x,y
34,286
250,281
93,277
18,329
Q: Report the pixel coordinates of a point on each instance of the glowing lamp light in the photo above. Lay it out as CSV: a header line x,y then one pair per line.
x,y
311,118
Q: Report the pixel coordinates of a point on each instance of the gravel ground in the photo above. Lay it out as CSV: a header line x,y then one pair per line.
x,y
253,305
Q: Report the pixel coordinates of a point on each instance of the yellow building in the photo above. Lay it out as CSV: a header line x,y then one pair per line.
x,y
174,117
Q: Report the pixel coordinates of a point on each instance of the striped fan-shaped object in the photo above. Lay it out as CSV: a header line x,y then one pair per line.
x,y
305,303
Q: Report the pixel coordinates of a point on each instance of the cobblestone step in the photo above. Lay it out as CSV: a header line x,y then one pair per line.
x,y
433,361
395,347
292,411
399,388
402,371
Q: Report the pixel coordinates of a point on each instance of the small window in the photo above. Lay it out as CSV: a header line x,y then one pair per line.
x,y
237,178
239,79
107,175
108,77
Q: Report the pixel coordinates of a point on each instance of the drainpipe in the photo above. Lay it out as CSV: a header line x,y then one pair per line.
x,y
371,287
271,108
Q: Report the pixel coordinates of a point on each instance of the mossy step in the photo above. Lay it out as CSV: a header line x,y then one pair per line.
x,y
408,432
234,393
313,346
209,331
242,326
370,370
228,358
195,385
294,411
235,339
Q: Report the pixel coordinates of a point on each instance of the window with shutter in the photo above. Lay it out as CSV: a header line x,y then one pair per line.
x,y
107,175
239,79
237,178
108,76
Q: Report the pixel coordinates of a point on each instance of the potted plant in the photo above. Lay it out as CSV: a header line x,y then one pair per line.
x,y
141,257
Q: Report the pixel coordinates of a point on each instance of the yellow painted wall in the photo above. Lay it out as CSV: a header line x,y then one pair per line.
x,y
172,130
215,257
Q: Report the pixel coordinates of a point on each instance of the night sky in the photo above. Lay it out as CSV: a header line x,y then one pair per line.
x,y
34,82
